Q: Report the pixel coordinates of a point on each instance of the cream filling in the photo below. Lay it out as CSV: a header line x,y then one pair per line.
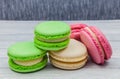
x,y
29,62
55,40
66,65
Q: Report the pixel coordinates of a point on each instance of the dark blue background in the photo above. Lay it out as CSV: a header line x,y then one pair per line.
x,y
59,9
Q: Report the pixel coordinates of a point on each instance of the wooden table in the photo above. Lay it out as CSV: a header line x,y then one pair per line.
x,y
16,31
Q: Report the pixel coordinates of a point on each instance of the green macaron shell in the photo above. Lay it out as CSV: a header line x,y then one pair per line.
x,y
51,46
25,51
20,68
52,30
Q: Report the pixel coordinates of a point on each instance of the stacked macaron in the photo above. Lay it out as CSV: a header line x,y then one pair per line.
x,y
97,44
25,57
73,57
65,51
52,35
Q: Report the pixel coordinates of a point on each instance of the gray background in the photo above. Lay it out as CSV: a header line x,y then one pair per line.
x,y
59,9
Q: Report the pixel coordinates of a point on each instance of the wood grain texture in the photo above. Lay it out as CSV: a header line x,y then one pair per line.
x,y
16,31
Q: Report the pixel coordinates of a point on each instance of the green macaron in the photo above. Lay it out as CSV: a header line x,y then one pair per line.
x,y
52,33
25,57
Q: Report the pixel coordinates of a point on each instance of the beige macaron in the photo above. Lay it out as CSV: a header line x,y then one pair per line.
x,y
73,57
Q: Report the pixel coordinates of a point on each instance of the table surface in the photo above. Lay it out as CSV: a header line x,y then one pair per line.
x,y
16,31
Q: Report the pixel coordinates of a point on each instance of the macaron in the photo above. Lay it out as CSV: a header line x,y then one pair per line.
x,y
25,57
75,30
52,35
68,59
98,46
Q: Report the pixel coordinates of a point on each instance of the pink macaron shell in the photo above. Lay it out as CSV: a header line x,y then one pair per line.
x,y
94,50
103,41
75,36
75,31
77,26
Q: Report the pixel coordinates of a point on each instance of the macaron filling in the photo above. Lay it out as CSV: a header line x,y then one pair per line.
x,y
52,36
35,67
68,65
28,62
53,40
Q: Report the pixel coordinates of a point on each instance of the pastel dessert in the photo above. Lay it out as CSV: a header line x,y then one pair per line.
x,y
98,46
73,57
52,35
25,57
75,30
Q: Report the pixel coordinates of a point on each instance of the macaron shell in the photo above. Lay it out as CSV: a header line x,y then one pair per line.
x,y
52,30
25,51
103,41
51,45
24,69
75,30
75,35
93,47
77,26
79,52
69,66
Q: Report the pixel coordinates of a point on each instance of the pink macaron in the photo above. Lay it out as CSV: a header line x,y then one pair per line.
x,y
98,46
75,31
